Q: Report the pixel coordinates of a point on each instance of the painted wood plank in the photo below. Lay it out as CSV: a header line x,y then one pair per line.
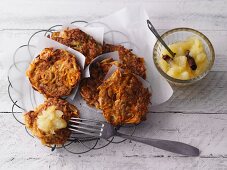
x,y
207,96
59,162
207,132
164,14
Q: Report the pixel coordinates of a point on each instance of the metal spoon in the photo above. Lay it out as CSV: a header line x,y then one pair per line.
x,y
190,59
154,31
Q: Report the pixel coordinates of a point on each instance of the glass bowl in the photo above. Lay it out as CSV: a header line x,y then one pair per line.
x,y
181,34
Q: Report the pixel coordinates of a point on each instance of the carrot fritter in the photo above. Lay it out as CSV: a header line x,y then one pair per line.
x,y
54,73
89,86
123,99
48,121
80,41
129,60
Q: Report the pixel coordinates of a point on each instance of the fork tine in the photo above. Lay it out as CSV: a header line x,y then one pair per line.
x,y
87,133
83,123
89,120
85,128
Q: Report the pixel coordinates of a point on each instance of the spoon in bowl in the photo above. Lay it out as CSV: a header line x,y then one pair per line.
x,y
190,59
154,31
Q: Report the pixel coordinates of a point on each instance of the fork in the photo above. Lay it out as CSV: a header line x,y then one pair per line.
x,y
105,130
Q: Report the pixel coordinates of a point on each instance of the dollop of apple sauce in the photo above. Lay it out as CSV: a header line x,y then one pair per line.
x,y
51,120
178,67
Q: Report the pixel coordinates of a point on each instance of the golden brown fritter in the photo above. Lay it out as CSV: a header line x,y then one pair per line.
x,y
129,60
48,121
54,73
89,86
80,41
123,99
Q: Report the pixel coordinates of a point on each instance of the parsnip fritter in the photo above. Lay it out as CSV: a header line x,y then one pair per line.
x,y
128,60
80,41
49,121
123,99
54,73
89,86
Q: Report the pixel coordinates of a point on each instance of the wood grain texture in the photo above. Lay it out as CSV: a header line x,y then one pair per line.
x,y
204,14
58,162
196,115
207,132
207,96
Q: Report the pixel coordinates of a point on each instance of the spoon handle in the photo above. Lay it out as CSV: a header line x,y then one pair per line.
x,y
153,30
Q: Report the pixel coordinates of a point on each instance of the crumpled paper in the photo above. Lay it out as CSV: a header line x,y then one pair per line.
x,y
113,55
129,28
132,21
126,27
96,32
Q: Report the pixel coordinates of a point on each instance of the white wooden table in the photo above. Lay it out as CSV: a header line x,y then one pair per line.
x,y
196,115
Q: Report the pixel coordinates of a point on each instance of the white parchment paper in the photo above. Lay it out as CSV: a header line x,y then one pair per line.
x,y
45,42
113,68
127,27
132,21
113,55
96,32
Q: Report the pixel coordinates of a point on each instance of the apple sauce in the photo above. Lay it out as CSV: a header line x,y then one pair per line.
x,y
179,66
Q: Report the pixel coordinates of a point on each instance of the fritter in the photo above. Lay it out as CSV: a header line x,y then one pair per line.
x,y
123,99
80,41
89,86
129,60
54,73
49,121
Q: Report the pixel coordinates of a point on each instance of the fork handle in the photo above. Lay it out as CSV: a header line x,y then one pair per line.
x,y
172,146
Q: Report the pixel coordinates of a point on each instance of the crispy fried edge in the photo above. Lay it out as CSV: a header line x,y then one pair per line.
x,y
32,66
30,119
145,96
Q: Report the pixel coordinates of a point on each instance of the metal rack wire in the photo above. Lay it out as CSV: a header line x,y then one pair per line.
x,y
85,141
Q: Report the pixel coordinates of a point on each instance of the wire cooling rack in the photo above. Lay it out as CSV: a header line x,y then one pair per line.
x,y
77,143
